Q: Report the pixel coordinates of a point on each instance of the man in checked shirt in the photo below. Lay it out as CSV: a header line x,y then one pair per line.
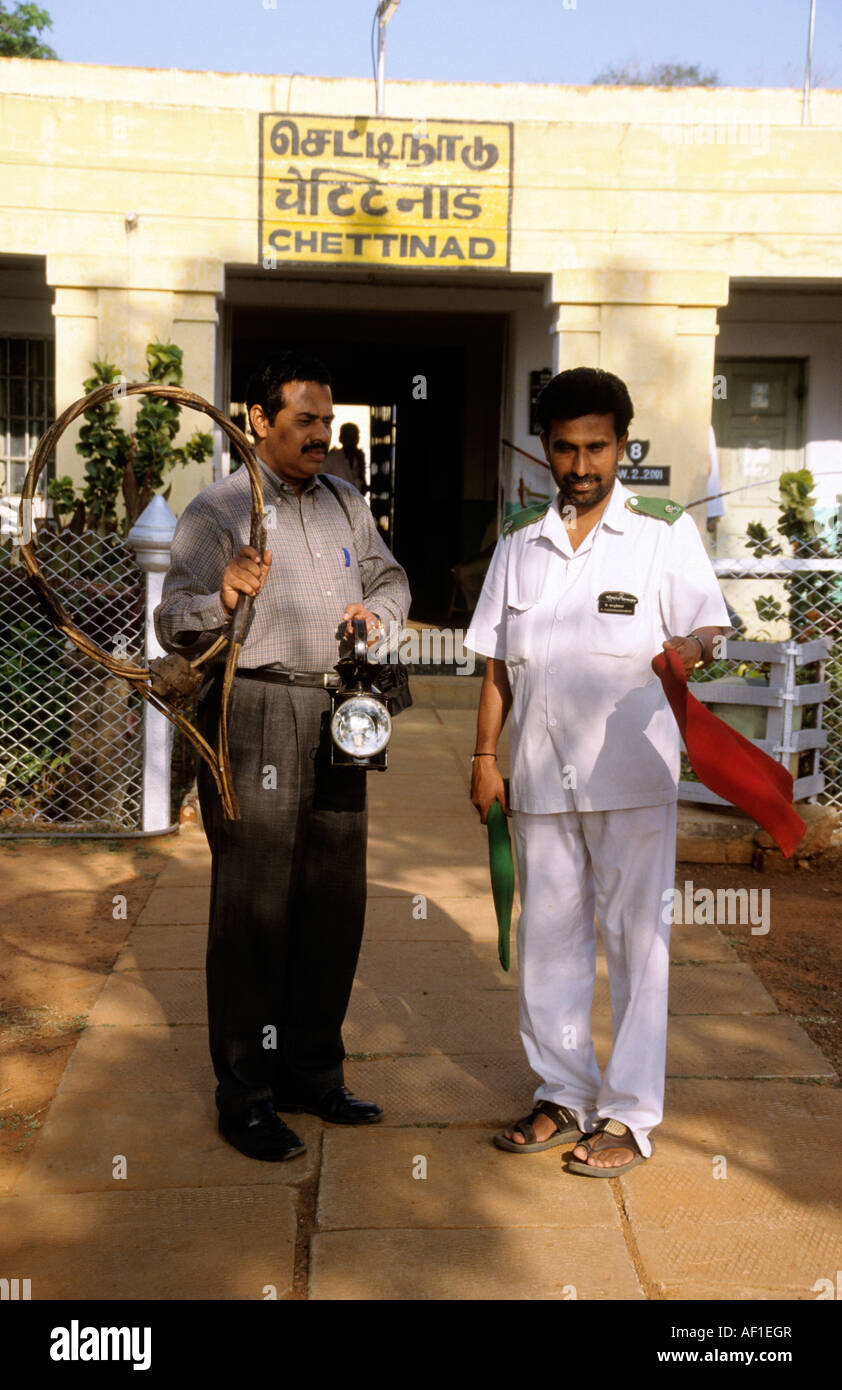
x,y
288,886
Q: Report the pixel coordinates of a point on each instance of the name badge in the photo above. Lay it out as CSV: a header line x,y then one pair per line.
x,y
615,601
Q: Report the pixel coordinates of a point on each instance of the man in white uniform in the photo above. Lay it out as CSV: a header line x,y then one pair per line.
x,y
580,596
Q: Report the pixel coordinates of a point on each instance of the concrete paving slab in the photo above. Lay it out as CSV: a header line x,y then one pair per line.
x,y
731,1046
464,1181
700,944
441,875
745,1293
188,849
742,1199
167,1140
220,1243
432,782
150,948
718,988
490,1090
772,1118
410,967
416,720
440,882
428,823
459,722
195,873
152,997
427,750
447,919
736,1231
510,1265
486,1021
448,692
134,1059
176,903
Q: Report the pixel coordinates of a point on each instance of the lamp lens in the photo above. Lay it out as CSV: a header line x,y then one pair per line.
x,y
361,726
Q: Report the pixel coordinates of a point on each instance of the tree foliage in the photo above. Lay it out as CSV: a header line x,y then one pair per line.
x,y
657,75
20,31
117,460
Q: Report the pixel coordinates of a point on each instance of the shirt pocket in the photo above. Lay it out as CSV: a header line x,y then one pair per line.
x,y
349,581
520,627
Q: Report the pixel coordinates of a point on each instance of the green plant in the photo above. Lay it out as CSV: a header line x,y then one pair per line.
x,y
117,461
34,704
811,599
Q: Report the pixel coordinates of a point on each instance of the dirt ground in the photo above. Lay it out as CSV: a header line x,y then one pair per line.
x,y
58,940
800,959
62,930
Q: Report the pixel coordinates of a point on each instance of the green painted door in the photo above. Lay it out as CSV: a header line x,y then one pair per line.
x,y
758,424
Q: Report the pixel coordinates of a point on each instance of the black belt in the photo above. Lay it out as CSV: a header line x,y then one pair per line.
x,y
321,680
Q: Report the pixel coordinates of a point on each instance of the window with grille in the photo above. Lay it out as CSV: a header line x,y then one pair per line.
x,y
27,405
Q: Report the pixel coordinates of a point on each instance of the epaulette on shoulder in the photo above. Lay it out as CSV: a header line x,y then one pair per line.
x,y
659,507
524,518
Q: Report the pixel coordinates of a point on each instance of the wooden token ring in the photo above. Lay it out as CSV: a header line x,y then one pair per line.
x,y
165,686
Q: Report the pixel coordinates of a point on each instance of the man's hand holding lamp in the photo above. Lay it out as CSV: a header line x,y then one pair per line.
x,y
360,724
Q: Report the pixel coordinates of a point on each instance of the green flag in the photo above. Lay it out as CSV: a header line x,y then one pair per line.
x,y
502,875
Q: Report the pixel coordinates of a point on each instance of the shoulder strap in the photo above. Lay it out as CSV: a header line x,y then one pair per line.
x,y
331,487
524,518
659,507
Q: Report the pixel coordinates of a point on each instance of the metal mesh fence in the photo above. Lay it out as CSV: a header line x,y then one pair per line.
x,y
779,599
71,735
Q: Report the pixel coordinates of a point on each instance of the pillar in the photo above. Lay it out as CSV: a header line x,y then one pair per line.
x,y
657,331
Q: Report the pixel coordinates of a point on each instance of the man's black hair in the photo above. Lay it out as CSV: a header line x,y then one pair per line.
x,y
585,391
266,385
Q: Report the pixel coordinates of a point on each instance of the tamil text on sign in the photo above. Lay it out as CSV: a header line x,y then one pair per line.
x,y
384,192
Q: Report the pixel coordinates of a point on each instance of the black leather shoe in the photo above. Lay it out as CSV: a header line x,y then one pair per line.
x,y
260,1133
339,1107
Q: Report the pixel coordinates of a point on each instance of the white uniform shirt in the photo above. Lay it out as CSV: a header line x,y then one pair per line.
x,y
590,728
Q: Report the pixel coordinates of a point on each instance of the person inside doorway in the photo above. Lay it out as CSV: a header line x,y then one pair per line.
x,y
348,461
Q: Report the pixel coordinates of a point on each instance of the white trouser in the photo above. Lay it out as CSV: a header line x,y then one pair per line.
x,y
616,864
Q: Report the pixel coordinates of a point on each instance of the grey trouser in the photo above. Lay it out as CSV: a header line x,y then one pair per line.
x,y
288,896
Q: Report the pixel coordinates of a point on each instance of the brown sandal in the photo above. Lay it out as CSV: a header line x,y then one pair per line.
x,y
609,1134
567,1130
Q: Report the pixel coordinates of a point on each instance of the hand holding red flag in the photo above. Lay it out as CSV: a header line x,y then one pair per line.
x,y
727,762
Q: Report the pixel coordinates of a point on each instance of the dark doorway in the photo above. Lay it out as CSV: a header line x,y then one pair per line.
x,y
444,375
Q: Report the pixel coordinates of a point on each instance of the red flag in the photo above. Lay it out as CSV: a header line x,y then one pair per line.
x,y
728,763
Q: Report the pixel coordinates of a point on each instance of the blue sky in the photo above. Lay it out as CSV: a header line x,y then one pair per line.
x,y
749,43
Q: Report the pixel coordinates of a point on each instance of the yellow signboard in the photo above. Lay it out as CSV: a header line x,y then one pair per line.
x,y
380,192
